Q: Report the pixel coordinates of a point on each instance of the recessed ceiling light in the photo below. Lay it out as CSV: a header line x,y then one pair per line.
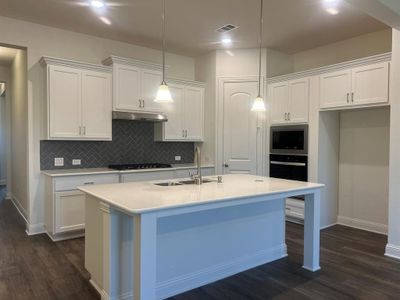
x,y
97,3
226,41
332,11
105,20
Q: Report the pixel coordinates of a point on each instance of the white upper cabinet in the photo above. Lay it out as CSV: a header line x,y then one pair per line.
x,y
335,89
64,101
289,101
97,106
79,100
135,85
359,86
370,84
185,115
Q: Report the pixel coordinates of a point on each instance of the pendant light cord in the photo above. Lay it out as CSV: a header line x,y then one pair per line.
x,y
260,45
163,43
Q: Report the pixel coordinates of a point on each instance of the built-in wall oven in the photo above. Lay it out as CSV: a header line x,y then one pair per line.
x,y
289,160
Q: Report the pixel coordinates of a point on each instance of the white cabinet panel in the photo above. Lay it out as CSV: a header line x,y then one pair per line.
x,y
335,89
69,211
173,129
64,92
298,101
146,176
279,102
96,105
193,113
127,83
150,83
370,84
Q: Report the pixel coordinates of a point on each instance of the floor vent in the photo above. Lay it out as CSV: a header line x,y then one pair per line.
x,y
227,27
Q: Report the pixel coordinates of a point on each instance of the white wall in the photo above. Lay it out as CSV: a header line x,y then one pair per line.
x,y
279,63
42,40
393,247
19,133
3,136
364,168
350,49
5,76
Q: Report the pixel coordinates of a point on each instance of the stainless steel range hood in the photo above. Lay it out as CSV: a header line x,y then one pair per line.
x,y
139,116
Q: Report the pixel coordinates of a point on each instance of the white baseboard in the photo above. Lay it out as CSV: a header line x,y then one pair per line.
x,y
328,226
364,225
33,229
392,251
191,281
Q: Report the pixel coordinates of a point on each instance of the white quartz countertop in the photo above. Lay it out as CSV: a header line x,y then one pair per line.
x,y
94,171
142,197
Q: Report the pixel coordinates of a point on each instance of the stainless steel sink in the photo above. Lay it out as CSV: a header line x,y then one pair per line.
x,y
192,181
168,183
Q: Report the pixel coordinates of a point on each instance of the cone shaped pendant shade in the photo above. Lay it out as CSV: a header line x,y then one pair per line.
x,y
258,104
163,94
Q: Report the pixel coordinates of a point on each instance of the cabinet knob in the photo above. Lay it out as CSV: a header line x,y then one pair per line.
x,y
226,165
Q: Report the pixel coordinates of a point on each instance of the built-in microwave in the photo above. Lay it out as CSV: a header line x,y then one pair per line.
x,y
289,139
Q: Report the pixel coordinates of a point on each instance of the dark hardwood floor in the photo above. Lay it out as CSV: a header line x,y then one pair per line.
x,y
352,261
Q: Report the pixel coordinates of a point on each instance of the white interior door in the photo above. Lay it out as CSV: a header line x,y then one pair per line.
x,y
96,105
240,128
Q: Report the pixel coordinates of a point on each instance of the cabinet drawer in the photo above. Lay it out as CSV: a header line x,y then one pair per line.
x,y
147,176
72,182
69,211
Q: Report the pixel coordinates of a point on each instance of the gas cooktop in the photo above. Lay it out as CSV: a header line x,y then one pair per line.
x,y
139,166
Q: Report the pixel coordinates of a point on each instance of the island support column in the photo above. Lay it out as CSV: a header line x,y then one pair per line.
x,y
312,231
144,259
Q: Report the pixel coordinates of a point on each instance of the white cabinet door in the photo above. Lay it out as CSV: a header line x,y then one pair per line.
x,y
298,101
193,114
279,102
150,82
96,105
335,89
370,84
173,128
69,211
64,93
126,86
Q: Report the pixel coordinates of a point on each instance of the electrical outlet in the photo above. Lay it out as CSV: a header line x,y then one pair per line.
x,y
76,162
59,161
178,158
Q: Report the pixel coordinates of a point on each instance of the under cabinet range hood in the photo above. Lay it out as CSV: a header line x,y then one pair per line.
x,y
139,116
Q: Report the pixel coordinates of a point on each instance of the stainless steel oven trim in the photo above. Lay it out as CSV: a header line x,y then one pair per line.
x,y
282,163
303,127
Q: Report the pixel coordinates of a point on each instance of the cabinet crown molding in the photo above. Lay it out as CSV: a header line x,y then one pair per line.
x,y
385,57
113,59
186,82
54,61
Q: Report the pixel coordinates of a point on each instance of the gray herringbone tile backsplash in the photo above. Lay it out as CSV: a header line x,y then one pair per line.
x,y
133,142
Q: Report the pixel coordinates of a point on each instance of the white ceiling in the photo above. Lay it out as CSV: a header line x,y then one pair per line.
x,y
290,25
7,55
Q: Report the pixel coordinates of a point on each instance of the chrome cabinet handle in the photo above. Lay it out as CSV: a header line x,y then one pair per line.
x,y
288,116
84,130
352,97
348,95
226,165
285,116
80,130
143,103
140,103
183,132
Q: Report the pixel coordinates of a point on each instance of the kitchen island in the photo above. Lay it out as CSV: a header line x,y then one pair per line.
x,y
147,241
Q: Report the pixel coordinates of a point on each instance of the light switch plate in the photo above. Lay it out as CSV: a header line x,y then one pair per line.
x,y
59,161
76,162
178,158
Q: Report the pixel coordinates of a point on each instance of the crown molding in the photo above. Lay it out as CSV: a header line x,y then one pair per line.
x,y
48,60
113,59
185,82
385,57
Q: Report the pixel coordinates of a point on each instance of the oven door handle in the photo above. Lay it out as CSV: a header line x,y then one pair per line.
x,y
283,163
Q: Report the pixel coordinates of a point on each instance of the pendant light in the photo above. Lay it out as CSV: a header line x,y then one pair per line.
x,y
163,94
258,104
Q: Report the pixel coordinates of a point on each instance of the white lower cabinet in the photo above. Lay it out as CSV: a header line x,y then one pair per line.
x,y
69,211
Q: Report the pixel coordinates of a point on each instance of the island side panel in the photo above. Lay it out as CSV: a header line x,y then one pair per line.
x,y
198,248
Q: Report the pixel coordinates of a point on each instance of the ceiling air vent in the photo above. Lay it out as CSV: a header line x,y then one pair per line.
x,y
227,27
